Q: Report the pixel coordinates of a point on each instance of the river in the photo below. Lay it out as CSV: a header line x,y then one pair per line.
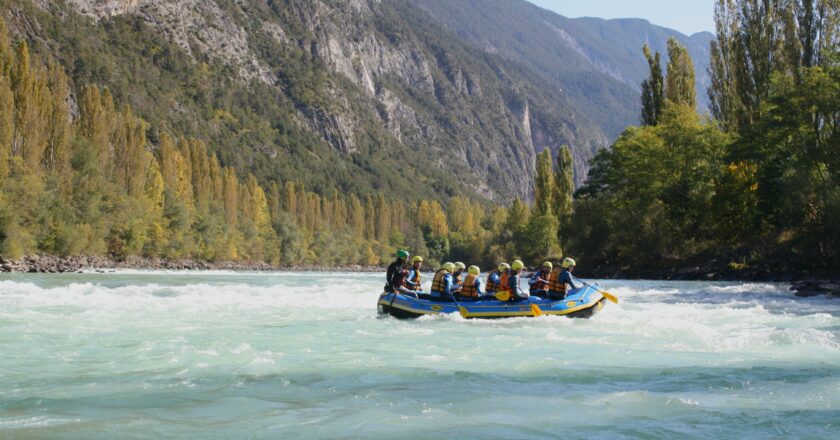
x,y
148,355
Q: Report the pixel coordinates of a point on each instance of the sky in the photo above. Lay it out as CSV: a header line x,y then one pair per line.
x,y
686,16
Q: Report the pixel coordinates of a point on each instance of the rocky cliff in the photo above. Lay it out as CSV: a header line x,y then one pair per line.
x,y
395,96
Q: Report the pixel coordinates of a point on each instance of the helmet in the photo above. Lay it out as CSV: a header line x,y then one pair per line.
x,y
503,267
449,267
474,270
402,253
568,262
416,259
548,265
460,265
517,264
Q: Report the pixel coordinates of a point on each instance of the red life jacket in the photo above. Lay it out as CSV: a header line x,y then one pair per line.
x,y
399,280
469,288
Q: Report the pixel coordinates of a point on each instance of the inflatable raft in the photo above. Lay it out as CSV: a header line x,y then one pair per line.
x,y
579,303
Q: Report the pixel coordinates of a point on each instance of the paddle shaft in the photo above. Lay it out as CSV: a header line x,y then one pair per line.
x,y
607,295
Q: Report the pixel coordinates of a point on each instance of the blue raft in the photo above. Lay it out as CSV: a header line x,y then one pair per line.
x,y
579,303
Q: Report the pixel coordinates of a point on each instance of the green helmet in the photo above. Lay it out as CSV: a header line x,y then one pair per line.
x,y
402,254
517,264
460,266
449,267
474,270
568,262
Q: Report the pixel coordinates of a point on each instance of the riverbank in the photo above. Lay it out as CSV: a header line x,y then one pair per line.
x,y
802,284
54,264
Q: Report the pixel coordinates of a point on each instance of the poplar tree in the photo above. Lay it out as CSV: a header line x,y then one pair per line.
x,y
680,87
653,97
57,157
725,52
544,185
564,184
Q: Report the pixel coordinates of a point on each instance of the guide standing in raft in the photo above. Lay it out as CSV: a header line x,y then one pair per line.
x,y
396,274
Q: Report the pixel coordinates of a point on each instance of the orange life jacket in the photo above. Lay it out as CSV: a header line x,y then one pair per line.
x,y
554,284
540,285
504,282
492,286
438,284
469,288
416,279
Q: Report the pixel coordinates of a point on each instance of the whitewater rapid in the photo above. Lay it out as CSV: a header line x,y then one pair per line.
x,y
159,354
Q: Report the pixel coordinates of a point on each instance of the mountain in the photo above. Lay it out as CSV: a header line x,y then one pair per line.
x,y
597,63
356,96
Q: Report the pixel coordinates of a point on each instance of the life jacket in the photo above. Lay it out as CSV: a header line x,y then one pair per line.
x,y
399,279
416,279
540,285
504,282
438,283
554,283
492,286
456,279
469,288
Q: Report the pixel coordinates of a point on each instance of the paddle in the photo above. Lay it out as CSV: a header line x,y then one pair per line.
x,y
607,295
535,309
461,309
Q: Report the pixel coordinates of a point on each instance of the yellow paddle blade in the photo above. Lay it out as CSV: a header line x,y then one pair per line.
x,y
609,296
463,311
536,309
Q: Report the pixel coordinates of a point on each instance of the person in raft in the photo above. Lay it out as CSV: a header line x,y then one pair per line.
x,y
539,281
494,279
459,270
471,287
396,273
413,281
443,286
509,287
559,287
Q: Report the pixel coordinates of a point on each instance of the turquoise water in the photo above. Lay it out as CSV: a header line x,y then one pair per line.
x,y
284,355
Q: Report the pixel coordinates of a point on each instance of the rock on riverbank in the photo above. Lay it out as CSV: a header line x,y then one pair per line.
x,y
808,288
54,264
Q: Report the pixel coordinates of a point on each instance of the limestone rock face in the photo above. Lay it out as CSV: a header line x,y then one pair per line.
x,y
476,116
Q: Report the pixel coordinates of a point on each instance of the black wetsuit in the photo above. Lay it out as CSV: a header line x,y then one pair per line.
x,y
393,275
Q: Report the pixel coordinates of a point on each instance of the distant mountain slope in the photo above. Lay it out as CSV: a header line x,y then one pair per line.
x,y
598,63
357,95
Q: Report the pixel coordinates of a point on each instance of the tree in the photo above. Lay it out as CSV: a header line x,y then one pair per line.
x,y
653,97
748,49
544,184
680,86
564,188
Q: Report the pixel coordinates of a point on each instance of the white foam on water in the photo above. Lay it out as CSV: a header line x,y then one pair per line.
x,y
314,343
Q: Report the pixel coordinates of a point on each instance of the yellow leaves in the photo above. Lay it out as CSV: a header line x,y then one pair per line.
x,y
430,214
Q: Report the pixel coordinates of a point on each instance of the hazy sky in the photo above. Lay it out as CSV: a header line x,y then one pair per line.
x,y
686,16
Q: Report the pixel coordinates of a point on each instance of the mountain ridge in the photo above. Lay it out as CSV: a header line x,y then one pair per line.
x,y
354,76
598,62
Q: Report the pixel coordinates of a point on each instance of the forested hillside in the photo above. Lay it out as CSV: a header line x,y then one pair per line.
x,y
336,95
80,175
754,192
